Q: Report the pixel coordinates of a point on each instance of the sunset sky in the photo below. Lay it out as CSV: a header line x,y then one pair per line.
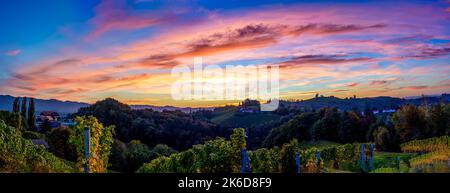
x,y
89,50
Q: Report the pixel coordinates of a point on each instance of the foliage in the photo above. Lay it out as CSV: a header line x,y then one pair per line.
x,y
427,145
218,156
20,155
409,122
385,170
117,158
212,157
386,138
23,111
174,128
237,144
287,157
131,156
31,119
433,162
215,156
265,160
389,160
58,142
101,139
13,119
32,135
436,160
298,127
324,124
16,105
45,126
162,150
136,154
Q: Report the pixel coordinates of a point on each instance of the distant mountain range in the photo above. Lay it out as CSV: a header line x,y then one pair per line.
x,y
169,108
6,103
382,102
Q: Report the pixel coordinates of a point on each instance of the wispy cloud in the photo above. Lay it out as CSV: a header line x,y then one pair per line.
x,y
337,48
118,15
13,52
321,60
332,28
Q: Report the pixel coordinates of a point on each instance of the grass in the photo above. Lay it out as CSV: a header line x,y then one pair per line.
x,y
232,118
222,116
318,144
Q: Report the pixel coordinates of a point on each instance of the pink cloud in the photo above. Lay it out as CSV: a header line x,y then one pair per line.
x,y
353,84
311,37
13,52
116,15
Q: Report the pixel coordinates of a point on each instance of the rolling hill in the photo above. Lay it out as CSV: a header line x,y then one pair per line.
x,y
6,102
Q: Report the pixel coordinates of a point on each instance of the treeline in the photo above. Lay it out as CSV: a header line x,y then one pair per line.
x,y
324,124
23,116
174,128
408,123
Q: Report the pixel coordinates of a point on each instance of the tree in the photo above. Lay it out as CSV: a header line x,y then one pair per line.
x,y
287,156
21,155
31,115
298,127
438,120
16,105
238,143
45,127
13,119
447,112
24,108
162,150
349,127
23,113
117,157
409,123
174,128
326,127
136,154
386,139
59,146
101,139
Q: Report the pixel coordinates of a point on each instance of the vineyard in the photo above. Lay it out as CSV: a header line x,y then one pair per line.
x,y
20,155
220,156
434,154
231,156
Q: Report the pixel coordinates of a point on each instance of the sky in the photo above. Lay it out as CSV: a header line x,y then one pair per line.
x,y
92,49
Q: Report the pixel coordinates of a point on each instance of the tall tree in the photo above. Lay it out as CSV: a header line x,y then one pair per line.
x,y
409,122
45,127
101,139
24,108
31,115
438,120
238,143
16,105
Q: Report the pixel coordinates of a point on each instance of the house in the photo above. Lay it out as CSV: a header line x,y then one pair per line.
x,y
384,111
49,115
250,109
51,118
